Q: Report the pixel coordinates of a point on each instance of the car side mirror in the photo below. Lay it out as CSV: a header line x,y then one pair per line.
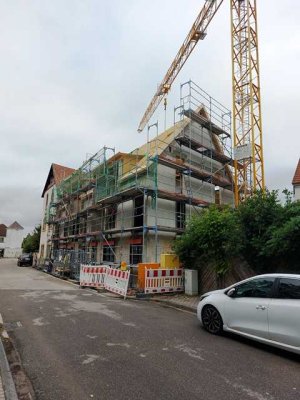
x,y
231,292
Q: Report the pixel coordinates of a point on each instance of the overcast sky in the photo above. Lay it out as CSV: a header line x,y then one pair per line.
x,y
77,75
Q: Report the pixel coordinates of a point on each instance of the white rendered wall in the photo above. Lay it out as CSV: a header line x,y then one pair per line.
x,y
46,231
2,244
13,242
297,192
125,213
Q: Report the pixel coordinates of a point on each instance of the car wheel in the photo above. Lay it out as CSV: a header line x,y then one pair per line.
x,y
212,320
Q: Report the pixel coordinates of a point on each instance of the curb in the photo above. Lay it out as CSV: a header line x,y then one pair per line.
x,y
177,306
7,379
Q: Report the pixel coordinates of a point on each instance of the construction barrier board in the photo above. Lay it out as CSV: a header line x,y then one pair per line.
x,y
164,280
93,276
116,281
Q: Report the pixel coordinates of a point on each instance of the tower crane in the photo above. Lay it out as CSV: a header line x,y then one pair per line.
x,y
247,121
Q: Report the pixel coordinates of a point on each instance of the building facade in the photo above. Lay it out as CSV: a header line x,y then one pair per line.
x,y
56,174
131,206
11,238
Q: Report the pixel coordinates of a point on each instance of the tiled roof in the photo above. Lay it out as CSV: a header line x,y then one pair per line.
x,y
3,230
296,179
15,225
57,173
60,172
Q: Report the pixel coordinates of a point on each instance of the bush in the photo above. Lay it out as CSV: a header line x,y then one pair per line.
x,y
261,230
31,242
215,236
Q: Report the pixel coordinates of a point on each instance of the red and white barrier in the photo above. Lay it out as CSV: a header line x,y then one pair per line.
x,y
164,280
93,276
116,281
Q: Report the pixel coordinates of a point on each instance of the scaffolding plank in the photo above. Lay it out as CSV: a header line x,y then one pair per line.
x,y
204,150
195,172
167,162
205,123
163,194
215,155
189,142
124,195
115,230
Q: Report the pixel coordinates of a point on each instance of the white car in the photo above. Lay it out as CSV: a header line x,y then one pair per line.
x,y
265,308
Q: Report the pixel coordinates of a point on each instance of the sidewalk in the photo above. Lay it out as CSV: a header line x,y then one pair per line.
x,y
6,379
2,397
182,301
1,390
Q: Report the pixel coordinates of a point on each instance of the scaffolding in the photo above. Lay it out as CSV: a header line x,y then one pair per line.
x,y
131,206
208,140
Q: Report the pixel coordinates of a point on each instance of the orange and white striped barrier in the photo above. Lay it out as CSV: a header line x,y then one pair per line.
x,y
164,280
93,276
116,281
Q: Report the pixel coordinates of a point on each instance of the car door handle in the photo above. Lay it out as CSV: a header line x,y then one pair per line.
x,y
260,307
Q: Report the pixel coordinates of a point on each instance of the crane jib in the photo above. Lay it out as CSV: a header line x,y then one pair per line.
x,y
197,32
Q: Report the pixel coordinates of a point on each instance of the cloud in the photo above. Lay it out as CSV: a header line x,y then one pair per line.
x,y
22,205
76,76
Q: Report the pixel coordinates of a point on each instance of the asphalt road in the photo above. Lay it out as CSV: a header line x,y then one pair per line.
x,y
77,344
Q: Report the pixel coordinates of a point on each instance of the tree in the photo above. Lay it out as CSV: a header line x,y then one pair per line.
x,y
258,216
31,242
215,236
261,231
283,245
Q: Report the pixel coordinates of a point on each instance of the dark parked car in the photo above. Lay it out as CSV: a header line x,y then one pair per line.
x,y
24,259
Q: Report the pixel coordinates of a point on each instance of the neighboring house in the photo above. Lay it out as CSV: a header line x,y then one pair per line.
x,y
56,174
131,206
296,182
11,238
3,229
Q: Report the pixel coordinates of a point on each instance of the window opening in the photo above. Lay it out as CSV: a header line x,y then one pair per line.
x,y
136,253
108,254
138,205
180,214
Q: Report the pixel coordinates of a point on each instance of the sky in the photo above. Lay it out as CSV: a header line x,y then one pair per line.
x,y
78,75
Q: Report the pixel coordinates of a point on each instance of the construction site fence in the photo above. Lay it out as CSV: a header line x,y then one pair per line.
x,y
67,263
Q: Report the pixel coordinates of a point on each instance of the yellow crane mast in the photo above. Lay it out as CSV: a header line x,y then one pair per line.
x,y
247,126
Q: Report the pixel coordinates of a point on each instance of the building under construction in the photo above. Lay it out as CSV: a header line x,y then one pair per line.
x,y
130,206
